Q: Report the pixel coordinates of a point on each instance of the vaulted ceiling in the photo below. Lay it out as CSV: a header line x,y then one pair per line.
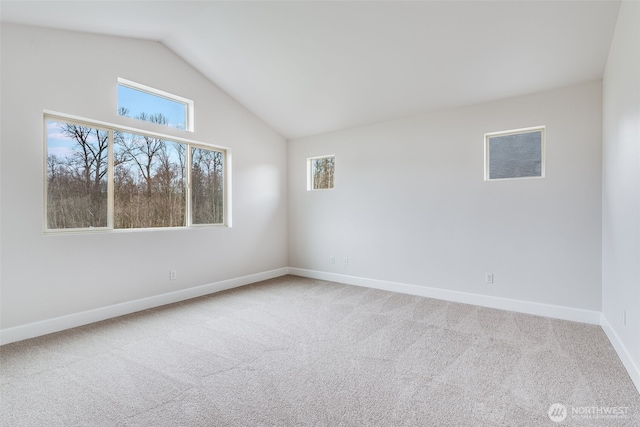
x,y
310,67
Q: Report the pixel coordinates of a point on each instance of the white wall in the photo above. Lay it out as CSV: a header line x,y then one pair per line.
x,y
46,276
411,206
621,187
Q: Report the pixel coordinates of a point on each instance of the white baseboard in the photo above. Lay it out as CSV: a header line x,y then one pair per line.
x,y
625,357
61,323
539,309
35,329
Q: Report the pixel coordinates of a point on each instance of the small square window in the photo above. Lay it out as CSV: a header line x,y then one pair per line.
x,y
152,105
320,172
514,154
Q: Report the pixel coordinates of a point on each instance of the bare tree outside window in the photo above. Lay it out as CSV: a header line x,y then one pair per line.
x,y
136,100
207,186
322,172
77,167
147,182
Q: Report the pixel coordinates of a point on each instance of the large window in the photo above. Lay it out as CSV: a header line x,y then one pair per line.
x,y
102,176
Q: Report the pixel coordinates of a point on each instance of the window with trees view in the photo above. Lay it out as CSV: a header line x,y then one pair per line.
x,y
77,181
136,101
320,172
104,176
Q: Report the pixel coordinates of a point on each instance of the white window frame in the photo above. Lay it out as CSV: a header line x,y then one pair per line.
x,y
189,119
111,128
310,172
487,160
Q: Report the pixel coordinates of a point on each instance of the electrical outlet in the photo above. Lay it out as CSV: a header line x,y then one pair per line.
x,y
624,317
332,260
346,262
488,277
172,275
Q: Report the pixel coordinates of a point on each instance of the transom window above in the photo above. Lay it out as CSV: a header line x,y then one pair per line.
x,y
514,154
320,172
152,105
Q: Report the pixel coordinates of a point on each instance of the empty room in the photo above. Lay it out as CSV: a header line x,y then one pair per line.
x,y
319,213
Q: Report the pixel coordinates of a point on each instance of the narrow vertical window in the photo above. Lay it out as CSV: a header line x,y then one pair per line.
x,y
515,154
77,175
207,186
320,172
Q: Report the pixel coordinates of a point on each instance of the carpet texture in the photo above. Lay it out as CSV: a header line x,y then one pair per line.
x,y
300,352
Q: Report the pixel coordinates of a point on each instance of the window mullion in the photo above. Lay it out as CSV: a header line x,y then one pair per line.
x,y
110,182
188,207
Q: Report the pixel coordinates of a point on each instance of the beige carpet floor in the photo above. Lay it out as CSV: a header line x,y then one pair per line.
x,y
301,352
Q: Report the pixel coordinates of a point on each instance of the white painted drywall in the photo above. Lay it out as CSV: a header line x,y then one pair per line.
x,y
47,276
621,182
410,204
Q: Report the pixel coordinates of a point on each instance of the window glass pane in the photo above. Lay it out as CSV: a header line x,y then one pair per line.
x,y
149,182
515,156
142,183
207,186
146,106
77,161
322,171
